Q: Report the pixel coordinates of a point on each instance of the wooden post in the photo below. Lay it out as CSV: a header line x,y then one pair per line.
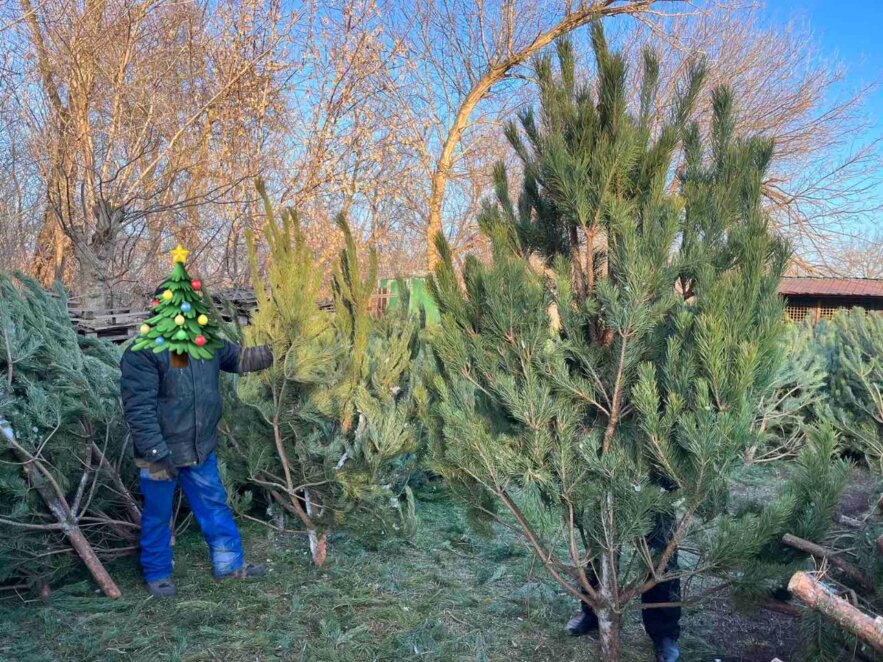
x,y
816,596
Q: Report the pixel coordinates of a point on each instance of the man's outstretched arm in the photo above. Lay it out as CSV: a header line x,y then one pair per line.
x,y
235,358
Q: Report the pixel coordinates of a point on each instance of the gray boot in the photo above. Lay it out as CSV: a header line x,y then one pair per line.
x,y
163,588
667,650
248,571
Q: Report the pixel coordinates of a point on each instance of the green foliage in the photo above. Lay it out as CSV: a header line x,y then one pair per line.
x,y
856,381
831,371
804,508
339,401
59,401
795,397
179,302
612,356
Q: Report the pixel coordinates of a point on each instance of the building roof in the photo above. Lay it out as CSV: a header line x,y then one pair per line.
x,y
833,287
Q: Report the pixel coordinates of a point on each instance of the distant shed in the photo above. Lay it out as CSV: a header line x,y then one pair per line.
x,y
819,298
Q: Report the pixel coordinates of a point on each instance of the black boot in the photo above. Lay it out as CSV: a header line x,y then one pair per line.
x,y
581,624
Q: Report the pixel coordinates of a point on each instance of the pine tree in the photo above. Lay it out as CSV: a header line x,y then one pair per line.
x,y
610,360
181,323
338,402
63,442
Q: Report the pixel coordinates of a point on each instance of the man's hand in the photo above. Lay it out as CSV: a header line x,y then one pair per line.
x,y
164,469
252,359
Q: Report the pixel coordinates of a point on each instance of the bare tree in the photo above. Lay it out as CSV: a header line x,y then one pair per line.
x,y
129,109
474,46
820,189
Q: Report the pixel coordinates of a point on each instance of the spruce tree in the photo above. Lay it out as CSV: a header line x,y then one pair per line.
x,y
62,444
339,400
856,381
610,360
795,398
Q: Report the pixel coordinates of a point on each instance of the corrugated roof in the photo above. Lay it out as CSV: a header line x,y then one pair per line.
x,y
842,287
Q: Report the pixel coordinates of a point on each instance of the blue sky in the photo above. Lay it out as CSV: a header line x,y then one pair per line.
x,y
851,33
848,30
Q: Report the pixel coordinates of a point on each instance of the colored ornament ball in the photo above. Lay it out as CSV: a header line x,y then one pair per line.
x,y
202,319
181,335
185,307
167,295
199,340
179,320
154,303
160,340
196,284
145,329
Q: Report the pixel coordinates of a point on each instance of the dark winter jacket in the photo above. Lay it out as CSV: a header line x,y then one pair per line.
x,y
175,411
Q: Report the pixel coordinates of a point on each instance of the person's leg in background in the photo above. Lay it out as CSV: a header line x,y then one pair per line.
x,y
208,500
586,621
156,532
663,624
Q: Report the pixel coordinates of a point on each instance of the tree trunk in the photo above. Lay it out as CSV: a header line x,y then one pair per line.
x,y
609,620
848,569
318,541
609,626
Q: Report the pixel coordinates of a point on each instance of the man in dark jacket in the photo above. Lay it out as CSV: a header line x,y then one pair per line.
x,y
173,414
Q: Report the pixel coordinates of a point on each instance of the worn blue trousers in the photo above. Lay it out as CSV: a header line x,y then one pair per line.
x,y
208,500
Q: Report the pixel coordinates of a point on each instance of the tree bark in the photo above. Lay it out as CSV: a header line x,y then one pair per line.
x,y
318,541
609,627
482,86
816,596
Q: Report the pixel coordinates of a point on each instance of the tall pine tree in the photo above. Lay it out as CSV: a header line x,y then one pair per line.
x,y
609,361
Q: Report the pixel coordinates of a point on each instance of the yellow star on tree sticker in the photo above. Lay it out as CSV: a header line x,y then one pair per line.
x,y
180,254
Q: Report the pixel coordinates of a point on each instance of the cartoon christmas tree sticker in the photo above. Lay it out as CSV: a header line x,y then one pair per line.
x,y
181,323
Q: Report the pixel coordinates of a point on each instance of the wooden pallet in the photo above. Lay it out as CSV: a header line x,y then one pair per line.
x,y
120,324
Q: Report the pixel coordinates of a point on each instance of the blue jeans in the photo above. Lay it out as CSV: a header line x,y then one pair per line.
x,y
208,500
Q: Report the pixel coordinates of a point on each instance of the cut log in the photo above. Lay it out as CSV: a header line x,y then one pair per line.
x,y
816,596
850,522
832,557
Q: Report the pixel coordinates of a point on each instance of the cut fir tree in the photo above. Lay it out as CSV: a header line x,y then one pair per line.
x,y
181,323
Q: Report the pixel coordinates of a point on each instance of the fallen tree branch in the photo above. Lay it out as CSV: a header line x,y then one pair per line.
x,y
816,596
832,557
36,472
